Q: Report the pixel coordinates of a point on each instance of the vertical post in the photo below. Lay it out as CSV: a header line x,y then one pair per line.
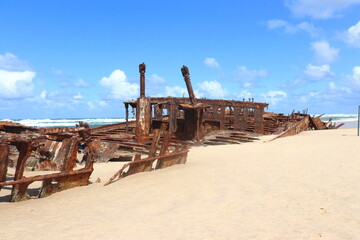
x,y
142,68
258,120
127,117
19,191
186,75
143,118
155,142
172,112
222,116
4,161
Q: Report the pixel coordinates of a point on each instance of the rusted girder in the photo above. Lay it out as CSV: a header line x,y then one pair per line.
x,y
165,159
143,118
296,128
4,161
186,74
142,69
144,165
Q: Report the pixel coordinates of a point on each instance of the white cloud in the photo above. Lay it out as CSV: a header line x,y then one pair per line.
x,y
10,62
78,96
102,103
324,53
273,97
43,94
156,78
211,62
16,84
319,9
352,35
355,77
247,85
290,28
212,89
119,87
309,28
278,23
356,74
176,91
245,94
318,72
247,76
333,87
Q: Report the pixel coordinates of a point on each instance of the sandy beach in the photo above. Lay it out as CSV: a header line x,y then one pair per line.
x,y
300,187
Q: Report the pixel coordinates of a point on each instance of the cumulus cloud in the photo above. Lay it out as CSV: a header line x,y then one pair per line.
x,y
10,62
356,74
352,35
43,94
211,62
212,89
354,78
176,91
156,78
274,97
102,103
290,28
318,72
16,84
319,9
78,96
332,87
119,87
247,76
245,94
324,53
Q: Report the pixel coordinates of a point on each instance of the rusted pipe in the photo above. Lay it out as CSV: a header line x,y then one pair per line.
x,y
142,69
186,75
127,117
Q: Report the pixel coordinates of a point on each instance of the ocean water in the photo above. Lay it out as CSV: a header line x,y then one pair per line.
x,y
340,118
66,122
94,122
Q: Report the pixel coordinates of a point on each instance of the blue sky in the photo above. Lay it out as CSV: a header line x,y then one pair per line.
x,y
61,59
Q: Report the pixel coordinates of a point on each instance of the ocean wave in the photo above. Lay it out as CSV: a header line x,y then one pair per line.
x,y
340,117
66,122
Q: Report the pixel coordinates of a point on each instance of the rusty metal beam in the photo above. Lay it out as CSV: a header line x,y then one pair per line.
x,y
142,69
186,74
4,161
143,118
144,165
155,142
297,128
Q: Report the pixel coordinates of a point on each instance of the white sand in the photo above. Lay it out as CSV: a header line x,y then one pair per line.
x,y
301,187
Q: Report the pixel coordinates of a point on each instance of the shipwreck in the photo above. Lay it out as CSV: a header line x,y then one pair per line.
x,y
164,129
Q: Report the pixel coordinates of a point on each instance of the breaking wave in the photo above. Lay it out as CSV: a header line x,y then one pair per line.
x,y
340,117
66,122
